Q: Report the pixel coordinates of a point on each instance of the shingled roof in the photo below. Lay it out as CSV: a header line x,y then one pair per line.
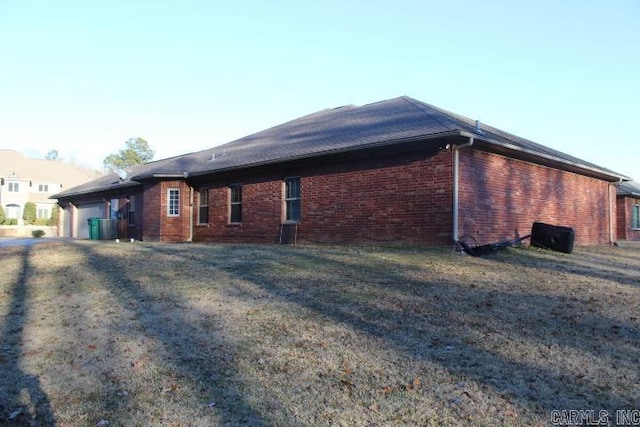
x,y
350,128
629,188
112,181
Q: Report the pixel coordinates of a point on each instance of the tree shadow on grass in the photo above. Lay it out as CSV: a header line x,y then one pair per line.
x,y
422,328
462,327
616,266
18,386
208,366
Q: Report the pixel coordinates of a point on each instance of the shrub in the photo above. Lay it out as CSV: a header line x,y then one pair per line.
x,y
3,216
53,220
29,213
37,233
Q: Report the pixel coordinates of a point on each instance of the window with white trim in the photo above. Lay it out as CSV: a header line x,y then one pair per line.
x,y
43,188
173,202
42,213
14,187
635,216
203,206
292,199
235,203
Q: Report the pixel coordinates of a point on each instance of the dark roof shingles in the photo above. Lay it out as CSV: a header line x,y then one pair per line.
x,y
323,132
348,128
342,129
629,188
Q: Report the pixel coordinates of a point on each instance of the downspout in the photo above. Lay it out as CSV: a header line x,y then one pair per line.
x,y
456,177
185,175
190,239
610,214
612,211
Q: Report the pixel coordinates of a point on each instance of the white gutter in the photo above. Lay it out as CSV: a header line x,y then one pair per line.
x,y
610,214
456,177
613,234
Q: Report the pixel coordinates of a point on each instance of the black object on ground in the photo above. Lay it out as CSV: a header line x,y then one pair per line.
x,y
554,237
490,248
545,236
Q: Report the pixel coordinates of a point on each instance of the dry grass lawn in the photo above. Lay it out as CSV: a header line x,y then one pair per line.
x,y
107,334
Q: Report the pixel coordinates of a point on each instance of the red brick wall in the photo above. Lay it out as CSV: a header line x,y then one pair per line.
x,y
399,199
151,201
621,216
402,199
157,225
624,211
500,198
261,212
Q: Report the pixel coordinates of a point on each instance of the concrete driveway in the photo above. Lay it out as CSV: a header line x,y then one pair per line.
x,y
21,241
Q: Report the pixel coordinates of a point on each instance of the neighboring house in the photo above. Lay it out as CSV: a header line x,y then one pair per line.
x,y
398,171
628,208
24,180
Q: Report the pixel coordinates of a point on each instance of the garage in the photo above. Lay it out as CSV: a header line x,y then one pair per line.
x,y
84,212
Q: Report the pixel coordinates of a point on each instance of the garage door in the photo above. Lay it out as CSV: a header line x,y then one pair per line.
x,y
90,210
65,221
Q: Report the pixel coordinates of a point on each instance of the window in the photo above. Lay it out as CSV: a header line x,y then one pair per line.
x,y
173,202
12,211
635,216
14,187
131,211
292,199
114,206
43,188
235,203
42,213
203,207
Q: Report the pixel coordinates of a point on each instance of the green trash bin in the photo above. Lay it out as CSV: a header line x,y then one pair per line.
x,y
94,228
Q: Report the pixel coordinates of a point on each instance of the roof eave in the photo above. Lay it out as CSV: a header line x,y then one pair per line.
x,y
629,194
184,174
588,170
130,183
323,153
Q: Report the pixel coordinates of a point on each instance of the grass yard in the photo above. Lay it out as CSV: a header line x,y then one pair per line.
x,y
106,334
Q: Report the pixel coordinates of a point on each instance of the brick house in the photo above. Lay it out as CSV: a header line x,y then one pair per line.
x,y
111,197
398,171
628,210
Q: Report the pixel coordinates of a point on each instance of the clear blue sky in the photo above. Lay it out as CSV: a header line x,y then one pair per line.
x,y
84,76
